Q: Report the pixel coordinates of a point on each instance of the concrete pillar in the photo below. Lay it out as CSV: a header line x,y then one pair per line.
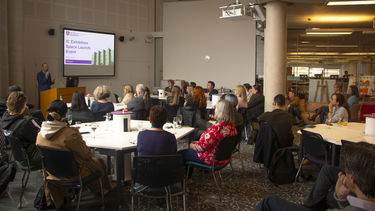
x,y
15,43
274,52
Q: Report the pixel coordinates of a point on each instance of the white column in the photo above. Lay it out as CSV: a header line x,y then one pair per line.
x,y
274,52
15,43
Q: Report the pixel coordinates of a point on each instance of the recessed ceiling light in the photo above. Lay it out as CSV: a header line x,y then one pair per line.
x,y
342,3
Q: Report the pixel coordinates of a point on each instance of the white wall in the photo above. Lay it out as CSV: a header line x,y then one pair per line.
x,y
134,59
193,30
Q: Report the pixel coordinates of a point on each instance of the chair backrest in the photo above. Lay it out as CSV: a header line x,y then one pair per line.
x,y
18,149
188,115
225,148
313,144
59,163
116,98
354,112
366,109
158,170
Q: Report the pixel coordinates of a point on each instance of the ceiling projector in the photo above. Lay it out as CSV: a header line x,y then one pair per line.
x,y
239,11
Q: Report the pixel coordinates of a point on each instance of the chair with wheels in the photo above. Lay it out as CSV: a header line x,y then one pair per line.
x,y
61,164
158,176
223,151
313,148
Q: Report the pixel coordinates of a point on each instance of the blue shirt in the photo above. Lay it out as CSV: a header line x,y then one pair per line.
x,y
155,142
352,100
98,107
44,82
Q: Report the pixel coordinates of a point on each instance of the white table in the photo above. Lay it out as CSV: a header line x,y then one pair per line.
x,y
117,144
353,132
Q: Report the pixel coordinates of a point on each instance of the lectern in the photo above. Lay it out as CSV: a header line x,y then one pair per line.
x,y
47,96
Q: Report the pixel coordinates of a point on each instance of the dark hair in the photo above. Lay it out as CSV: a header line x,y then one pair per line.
x,y
355,91
57,110
172,82
231,98
212,83
247,86
279,100
14,88
292,90
358,159
16,101
158,116
78,101
342,102
193,84
257,87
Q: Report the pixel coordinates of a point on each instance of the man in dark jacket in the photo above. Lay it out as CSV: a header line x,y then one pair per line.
x,y
255,106
280,121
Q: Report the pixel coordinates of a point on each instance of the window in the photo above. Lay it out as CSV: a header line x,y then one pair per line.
x,y
297,71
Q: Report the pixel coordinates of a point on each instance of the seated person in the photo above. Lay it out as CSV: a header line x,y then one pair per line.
x,y
248,90
350,189
193,84
202,151
141,104
255,106
295,107
56,134
174,101
189,95
129,94
25,129
184,85
241,96
156,141
79,111
168,89
280,121
198,101
353,95
101,104
211,89
338,110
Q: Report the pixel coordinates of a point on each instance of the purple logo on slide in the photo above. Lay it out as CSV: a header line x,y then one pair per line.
x,y
67,32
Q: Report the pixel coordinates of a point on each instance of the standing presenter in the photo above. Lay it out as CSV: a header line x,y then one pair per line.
x,y
44,80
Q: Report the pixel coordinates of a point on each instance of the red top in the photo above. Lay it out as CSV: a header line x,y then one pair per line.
x,y
210,139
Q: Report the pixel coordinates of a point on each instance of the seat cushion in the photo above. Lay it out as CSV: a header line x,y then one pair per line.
x,y
156,191
204,166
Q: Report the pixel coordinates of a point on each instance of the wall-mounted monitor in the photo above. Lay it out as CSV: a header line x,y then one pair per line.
x,y
88,53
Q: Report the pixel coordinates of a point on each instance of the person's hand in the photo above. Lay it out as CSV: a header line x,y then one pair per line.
x,y
212,122
343,186
47,73
53,80
192,145
330,106
289,106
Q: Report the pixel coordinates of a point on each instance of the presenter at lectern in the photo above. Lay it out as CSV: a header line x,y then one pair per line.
x,y
44,80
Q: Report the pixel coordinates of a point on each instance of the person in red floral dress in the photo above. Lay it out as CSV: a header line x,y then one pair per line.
x,y
202,151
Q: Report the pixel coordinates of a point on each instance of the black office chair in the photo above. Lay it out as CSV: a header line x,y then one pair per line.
x,y
22,161
222,152
159,176
61,164
313,148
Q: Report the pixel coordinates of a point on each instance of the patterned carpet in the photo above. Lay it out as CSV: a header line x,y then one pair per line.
x,y
241,191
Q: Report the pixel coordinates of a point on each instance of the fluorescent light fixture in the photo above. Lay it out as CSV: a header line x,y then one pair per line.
x,y
327,33
332,53
339,31
343,3
336,46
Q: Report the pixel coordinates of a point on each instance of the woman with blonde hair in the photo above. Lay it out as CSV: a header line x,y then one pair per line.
x,y
101,105
174,102
202,151
240,92
129,94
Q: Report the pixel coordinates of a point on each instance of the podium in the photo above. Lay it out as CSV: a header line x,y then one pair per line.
x,y
47,96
